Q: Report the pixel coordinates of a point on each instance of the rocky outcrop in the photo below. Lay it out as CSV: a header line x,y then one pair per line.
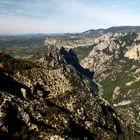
x,y
61,102
111,47
115,60
133,53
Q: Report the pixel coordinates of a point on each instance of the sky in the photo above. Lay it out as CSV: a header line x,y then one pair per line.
x,y
59,16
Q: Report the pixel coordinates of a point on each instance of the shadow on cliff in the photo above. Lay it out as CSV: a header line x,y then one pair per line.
x,y
72,59
79,132
8,84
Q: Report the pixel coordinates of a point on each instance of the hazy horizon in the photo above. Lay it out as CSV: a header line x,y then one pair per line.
x,y
65,16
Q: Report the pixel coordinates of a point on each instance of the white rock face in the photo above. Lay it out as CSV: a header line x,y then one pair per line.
x,y
122,103
97,55
102,45
116,92
56,137
133,53
110,47
137,70
24,94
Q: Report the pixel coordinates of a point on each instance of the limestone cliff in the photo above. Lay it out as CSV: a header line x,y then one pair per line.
x,y
115,60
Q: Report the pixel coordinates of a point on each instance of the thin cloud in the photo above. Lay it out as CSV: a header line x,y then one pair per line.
x,y
47,16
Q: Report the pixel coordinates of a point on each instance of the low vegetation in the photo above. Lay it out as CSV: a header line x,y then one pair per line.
x,y
22,46
82,52
10,64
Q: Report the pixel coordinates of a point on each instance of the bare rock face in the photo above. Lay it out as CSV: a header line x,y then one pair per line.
x,y
56,100
112,47
133,53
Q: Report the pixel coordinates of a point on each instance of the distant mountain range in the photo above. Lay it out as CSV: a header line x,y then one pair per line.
x,y
115,29
88,33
